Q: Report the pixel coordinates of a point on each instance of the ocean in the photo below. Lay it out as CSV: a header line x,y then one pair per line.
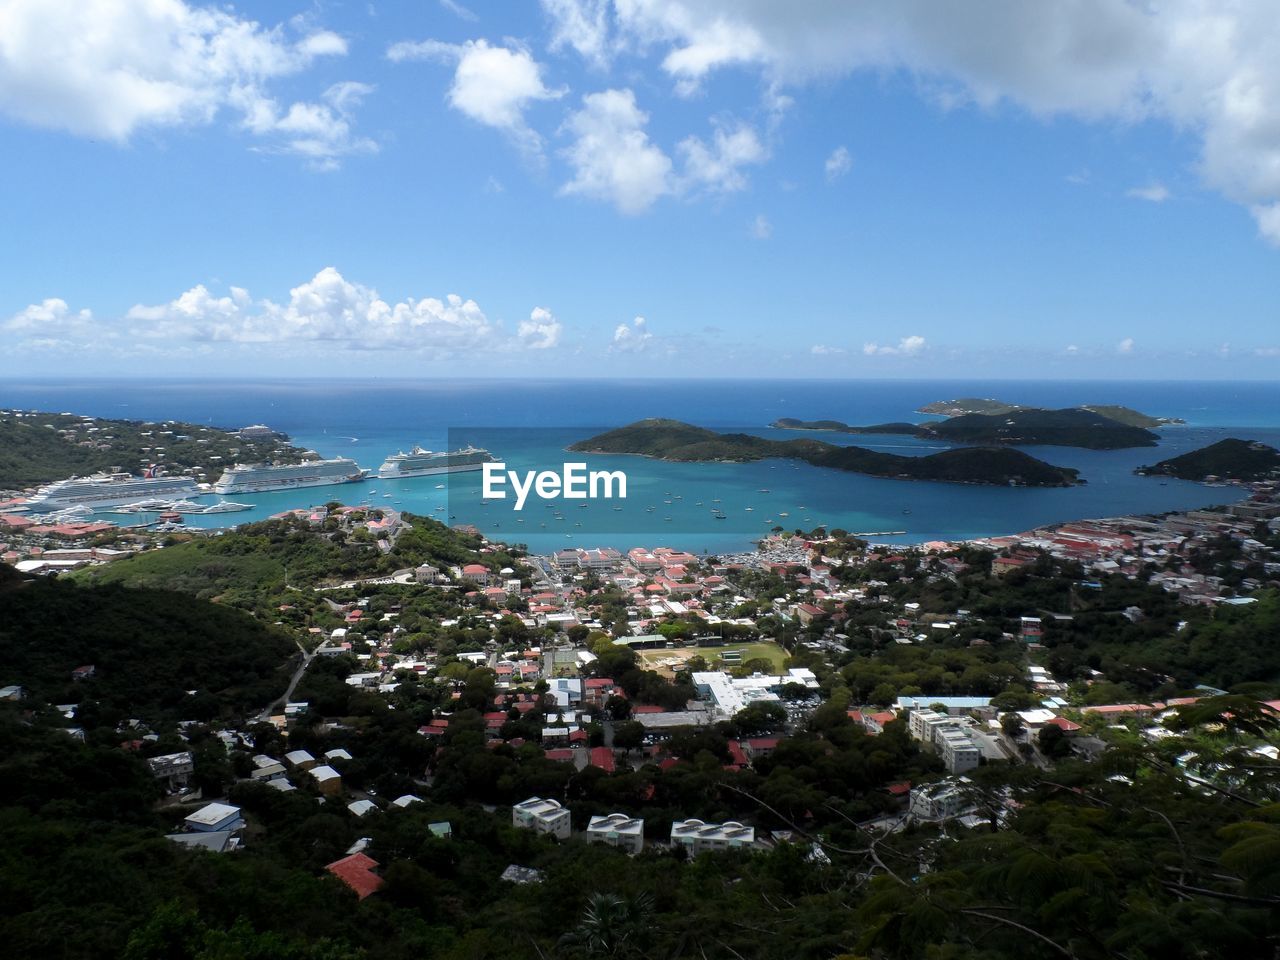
x,y
528,424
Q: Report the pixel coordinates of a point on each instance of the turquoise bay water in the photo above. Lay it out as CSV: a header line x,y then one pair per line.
x,y
528,424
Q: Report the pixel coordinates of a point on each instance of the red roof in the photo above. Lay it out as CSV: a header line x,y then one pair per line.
x,y
899,789
735,751
647,708
561,753
602,757
597,683
1063,724
356,871
763,743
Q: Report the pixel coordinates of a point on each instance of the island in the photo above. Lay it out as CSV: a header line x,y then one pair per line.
x,y
1069,427
38,447
998,408
1244,461
676,441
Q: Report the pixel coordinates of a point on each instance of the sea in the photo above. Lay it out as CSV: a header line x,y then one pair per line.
x,y
707,508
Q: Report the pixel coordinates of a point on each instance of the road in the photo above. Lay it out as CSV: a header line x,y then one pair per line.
x,y
293,682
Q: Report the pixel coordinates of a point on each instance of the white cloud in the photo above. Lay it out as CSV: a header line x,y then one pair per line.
x,y
51,319
906,347
822,350
760,228
838,164
459,11
1154,192
321,132
581,24
109,68
491,85
633,338
541,331
1268,218
612,156
614,160
1211,69
718,168
1125,345
328,307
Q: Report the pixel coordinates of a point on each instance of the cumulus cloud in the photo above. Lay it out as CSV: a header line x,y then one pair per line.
x,y
582,25
1125,345
109,68
614,160
632,338
1209,68
491,85
906,347
321,132
838,164
822,350
1154,192
612,156
760,228
541,331
717,167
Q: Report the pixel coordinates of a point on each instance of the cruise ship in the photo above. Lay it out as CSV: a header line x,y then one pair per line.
x,y
264,477
109,490
422,463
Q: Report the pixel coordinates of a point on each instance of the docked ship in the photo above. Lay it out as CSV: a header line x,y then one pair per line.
x,y
265,477
109,490
423,463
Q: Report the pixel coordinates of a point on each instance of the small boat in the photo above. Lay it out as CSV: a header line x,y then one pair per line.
x,y
763,490
439,486
749,509
667,519
617,508
784,514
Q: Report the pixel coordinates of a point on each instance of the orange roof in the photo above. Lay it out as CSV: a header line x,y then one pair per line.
x,y
357,872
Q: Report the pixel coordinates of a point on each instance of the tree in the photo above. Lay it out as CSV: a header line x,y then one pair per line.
x,y
628,735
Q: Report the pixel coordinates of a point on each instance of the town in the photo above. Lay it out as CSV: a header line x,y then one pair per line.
x,y
599,695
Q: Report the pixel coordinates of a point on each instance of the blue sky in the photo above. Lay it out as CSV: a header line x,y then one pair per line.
x,y
641,187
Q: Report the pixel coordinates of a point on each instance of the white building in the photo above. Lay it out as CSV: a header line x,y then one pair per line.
x,y
732,694
215,816
698,837
542,816
951,740
940,801
617,830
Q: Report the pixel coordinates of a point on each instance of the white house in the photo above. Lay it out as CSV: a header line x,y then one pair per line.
x,y
542,816
617,830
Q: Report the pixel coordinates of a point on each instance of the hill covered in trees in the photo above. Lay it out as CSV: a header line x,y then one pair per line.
x,y
1230,459
999,408
674,440
155,653
1096,428
38,448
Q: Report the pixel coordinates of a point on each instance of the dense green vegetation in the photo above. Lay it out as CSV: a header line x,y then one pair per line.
x,y
156,654
253,565
673,440
39,448
998,408
1072,427
1230,459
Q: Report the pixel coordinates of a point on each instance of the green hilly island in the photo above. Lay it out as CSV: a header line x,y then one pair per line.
x,y
38,448
674,440
998,408
1230,459
1069,427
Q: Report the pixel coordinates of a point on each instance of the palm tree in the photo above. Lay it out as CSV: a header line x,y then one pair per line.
x,y
611,925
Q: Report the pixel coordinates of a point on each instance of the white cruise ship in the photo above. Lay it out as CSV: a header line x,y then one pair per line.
x,y
264,477
109,490
423,463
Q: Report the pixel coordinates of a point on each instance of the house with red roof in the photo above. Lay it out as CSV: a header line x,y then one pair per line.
x,y
358,873
602,757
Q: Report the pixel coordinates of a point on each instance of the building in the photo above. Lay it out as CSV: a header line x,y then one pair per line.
x,y
698,837
327,779
357,871
954,745
617,830
957,750
732,694
213,817
174,769
940,801
300,759
542,816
